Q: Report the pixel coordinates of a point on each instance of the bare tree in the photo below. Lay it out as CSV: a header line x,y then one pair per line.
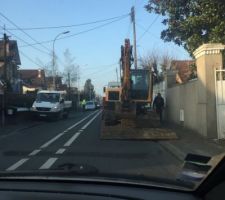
x,y
158,62
149,60
47,67
165,61
71,70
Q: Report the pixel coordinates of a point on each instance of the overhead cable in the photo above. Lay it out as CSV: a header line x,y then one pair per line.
x,y
30,59
44,52
23,31
68,26
148,28
78,33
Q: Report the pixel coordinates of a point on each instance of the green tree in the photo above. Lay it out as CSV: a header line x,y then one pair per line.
x,y
191,23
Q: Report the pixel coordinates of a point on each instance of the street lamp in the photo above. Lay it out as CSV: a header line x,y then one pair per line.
x,y
53,59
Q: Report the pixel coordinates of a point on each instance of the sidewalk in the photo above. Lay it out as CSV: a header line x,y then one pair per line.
x,y
191,142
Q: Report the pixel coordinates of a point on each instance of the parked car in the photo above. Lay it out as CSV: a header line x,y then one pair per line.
x,y
90,105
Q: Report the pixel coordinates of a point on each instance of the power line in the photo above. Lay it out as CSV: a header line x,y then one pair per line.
x,y
26,42
142,27
23,31
68,26
148,28
79,33
99,71
31,60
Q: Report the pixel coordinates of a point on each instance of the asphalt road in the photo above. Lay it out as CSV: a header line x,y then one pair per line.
x,y
75,142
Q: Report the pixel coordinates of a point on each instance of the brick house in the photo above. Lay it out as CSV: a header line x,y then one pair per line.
x,y
33,79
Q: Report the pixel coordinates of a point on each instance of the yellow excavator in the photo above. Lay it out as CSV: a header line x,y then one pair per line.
x,y
125,116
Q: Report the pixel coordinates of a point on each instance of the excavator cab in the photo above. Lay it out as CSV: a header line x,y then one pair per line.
x,y
140,84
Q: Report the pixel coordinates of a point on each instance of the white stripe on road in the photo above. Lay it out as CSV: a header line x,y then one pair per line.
x,y
17,164
60,151
48,163
70,141
51,141
60,134
76,135
34,152
87,124
79,122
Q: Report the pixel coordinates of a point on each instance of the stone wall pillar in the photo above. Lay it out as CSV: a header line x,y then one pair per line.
x,y
208,58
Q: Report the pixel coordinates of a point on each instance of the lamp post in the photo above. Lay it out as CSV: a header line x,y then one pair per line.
x,y
53,58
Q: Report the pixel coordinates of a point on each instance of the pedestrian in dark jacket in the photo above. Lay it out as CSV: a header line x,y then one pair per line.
x,y
158,105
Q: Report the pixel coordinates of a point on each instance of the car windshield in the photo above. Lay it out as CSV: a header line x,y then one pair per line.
x,y
48,97
130,90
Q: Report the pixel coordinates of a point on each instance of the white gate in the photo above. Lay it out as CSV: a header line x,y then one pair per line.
x,y
220,102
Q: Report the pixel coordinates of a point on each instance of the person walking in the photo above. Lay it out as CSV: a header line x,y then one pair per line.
x,y
83,103
158,105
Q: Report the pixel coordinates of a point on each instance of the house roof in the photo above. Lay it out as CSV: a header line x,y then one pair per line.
x,y
31,73
32,77
13,51
183,68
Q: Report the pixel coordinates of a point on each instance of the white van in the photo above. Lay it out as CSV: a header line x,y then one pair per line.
x,y
51,104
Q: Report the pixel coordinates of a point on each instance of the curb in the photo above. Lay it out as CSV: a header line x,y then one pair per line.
x,y
180,155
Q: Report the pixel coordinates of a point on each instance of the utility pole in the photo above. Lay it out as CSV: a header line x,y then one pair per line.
x,y
5,39
78,84
69,85
134,35
5,78
117,78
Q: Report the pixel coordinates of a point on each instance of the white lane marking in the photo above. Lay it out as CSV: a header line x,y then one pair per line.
x,y
34,152
48,163
17,164
51,141
76,135
89,122
22,161
60,151
79,122
60,134
70,141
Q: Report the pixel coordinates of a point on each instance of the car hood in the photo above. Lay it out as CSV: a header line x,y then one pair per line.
x,y
45,104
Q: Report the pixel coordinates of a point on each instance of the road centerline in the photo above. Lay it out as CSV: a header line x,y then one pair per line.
x,y
76,135
60,151
70,141
17,164
48,163
34,152
65,131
